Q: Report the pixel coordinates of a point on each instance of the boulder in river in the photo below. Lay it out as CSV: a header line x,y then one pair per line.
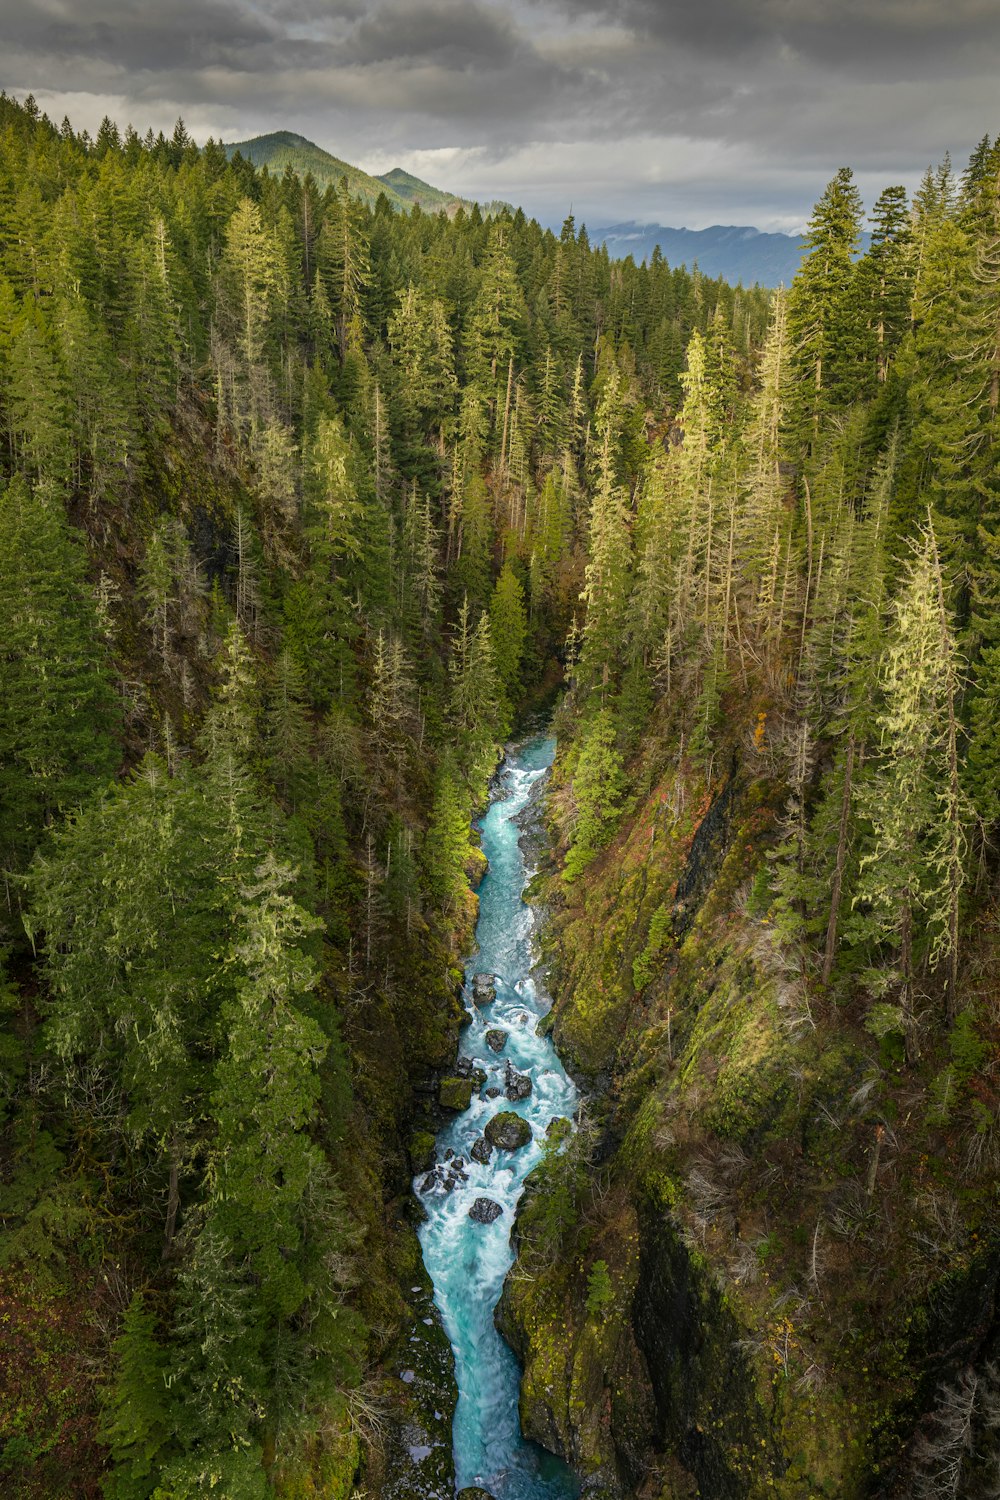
x,y
474,1492
455,1093
508,1131
484,1211
493,1093
517,1085
481,1151
496,1039
484,989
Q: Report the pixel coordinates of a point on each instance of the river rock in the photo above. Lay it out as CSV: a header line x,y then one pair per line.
x,y
484,989
493,1092
496,1039
466,1068
484,1211
474,1492
517,1085
481,1151
508,1131
455,1093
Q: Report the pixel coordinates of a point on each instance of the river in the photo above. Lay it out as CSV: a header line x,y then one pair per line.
x,y
467,1261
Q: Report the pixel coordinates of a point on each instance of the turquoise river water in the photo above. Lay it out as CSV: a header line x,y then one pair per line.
x,y
467,1261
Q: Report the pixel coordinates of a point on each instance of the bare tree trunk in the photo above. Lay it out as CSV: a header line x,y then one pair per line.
x,y
910,1047
809,573
838,872
954,795
173,1201
506,417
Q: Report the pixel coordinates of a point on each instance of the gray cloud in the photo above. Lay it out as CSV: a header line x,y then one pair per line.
x,y
731,110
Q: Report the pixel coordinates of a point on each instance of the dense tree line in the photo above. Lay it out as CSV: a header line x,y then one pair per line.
x,y
294,516
304,503
822,546
774,930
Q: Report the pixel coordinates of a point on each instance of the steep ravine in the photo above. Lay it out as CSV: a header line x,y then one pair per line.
x,y
738,1303
508,1100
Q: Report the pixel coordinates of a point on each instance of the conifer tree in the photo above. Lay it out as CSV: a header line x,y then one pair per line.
x,y
508,630
609,553
447,847
136,1417
58,714
598,788
823,317
913,872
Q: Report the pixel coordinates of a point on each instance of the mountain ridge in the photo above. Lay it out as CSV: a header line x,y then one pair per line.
x,y
279,149
739,253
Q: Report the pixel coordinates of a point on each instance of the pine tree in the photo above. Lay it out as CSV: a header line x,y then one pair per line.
x,y
605,589
58,714
447,846
823,316
508,631
885,279
265,1092
912,875
598,787
136,1423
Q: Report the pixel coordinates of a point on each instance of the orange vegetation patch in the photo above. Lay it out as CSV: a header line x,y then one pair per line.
x,y
51,1362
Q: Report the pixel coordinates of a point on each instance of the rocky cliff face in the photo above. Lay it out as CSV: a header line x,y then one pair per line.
x,y
749,1274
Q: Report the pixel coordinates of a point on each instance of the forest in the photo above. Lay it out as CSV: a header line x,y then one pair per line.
x,y
307,507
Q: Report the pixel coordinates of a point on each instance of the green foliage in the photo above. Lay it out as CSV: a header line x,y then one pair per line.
x,y
598,789
643,967
968,1049
58,715
344,482
600,1291
447,847
136,1416
508,630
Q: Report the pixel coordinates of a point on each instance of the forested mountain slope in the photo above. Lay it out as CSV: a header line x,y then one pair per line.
x,y
769,1265
284,151
293,523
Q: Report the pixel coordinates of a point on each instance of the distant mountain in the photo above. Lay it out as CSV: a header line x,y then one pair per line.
x,y
284,149
736,252
413,190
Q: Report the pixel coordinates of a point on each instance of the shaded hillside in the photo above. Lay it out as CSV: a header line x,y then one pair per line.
x,y
769,1263
293,504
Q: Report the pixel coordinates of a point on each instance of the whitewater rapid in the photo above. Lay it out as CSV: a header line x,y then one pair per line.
x,y
467,1261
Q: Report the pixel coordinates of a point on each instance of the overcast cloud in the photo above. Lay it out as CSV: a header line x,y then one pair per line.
x,y
681,112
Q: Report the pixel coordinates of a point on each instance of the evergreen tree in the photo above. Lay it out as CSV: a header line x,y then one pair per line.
x,y
58,714
508,631
447,848
913,872
598,788
136,1408
823,316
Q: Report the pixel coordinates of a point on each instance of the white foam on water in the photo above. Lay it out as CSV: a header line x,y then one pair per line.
x,y
468,1261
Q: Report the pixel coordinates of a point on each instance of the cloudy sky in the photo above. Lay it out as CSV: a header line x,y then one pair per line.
x,y
680,112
